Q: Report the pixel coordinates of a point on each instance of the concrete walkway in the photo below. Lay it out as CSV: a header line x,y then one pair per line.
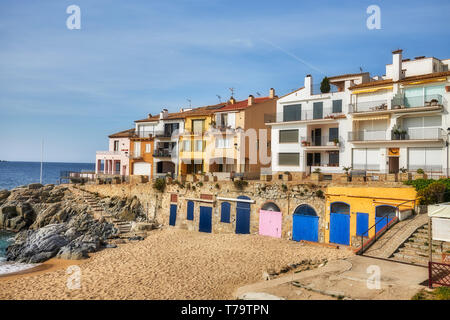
x,y
346,279
395,237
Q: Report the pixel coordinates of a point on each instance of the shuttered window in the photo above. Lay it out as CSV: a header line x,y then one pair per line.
x,y
198,126
428,159
199,145
288,136
225,212
292,112
289,159
337,106
318,110
333,134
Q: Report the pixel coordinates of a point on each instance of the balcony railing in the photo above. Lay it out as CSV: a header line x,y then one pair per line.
x,y
316,89
418,101
367,136
368,106
319,141
163,153
410,134
109,153
155,134
434,100
325,113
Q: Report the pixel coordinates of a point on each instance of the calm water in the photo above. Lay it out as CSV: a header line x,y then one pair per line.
x,y
14,174
5,240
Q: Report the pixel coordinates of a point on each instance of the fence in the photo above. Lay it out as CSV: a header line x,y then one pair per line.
x,y
438,273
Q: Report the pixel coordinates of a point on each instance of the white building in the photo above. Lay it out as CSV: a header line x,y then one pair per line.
x,y
157,136
381,125
115,160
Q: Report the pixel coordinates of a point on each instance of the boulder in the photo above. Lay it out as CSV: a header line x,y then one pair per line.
x,y
4,194
34,186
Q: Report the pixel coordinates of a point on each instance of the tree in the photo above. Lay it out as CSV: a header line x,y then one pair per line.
x,y
325,85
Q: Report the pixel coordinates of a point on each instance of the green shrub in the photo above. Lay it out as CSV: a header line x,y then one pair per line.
x,y
160,184
240,184
433,193
217,186
319,193
420,171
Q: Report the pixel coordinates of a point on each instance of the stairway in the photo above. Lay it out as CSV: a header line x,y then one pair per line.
x,y
415,249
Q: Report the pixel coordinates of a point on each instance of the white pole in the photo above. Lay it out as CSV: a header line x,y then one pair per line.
x,y
42,158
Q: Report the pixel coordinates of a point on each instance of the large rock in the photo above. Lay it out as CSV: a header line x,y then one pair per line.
x,y
35,186
4,194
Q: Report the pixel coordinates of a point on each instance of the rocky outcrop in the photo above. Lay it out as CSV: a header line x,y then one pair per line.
x,y
50,224
125,209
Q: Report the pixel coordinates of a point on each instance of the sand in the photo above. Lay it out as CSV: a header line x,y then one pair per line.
x,y
169,264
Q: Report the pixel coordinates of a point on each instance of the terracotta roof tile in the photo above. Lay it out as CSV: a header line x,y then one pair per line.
x,y
239,105
122,134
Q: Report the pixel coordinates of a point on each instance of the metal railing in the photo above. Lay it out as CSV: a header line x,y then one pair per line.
x,y
438,273
418,101
418,134
368,106
110,153
367,135
325,113
163,153
316,89
317,141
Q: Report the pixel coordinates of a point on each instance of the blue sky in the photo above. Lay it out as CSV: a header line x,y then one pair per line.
x,y
131,58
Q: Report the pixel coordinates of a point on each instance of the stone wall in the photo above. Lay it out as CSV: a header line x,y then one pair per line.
x,y
286,195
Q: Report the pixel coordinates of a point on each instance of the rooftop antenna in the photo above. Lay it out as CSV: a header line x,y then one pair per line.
x,y
258,94
232,92
42,159
219,97
361,69
190,105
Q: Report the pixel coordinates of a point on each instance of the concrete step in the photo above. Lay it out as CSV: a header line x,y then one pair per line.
x,y
421,246
419,253
411,259
424,241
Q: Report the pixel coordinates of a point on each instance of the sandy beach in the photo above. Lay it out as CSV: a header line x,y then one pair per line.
x,y
169,264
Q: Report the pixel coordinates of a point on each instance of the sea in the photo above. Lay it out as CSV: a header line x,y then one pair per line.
x,y
16,173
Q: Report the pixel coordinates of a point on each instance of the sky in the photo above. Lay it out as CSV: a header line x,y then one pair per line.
x,y
72,88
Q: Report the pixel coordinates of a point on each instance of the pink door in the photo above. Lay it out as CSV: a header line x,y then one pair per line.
x,y
270,223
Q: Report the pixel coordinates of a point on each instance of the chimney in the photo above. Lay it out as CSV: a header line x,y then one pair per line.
x,y
308,84
397,65
232,100
272,93
163,114
251,100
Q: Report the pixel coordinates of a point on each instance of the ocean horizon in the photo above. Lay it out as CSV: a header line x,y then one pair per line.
x,y
17,173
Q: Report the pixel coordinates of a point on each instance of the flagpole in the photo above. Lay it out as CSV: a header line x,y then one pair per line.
x,y
42,158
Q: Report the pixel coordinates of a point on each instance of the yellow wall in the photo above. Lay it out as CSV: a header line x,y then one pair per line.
x,y
365,200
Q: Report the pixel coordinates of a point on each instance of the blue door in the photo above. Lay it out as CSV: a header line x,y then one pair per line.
x,y
173,214
190,210
305,228
243,216
205,222
305,224
362,223
340,223
383,215
340,228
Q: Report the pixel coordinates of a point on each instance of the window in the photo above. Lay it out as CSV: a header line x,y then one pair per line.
x,y
288,136
222,119
333,134
428,159
313,159
116,145
187,145
198,145
198,126
292,112
318,110
337,106
225,212
333,159
223,143
148,148
366,159
289,159
137,149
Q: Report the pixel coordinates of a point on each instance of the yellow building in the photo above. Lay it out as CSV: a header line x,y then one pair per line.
x,y
351,211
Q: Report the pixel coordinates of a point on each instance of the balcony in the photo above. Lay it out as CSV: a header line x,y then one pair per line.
x,y
304,115
400,104
421,134
369,106
163,153
108,153
323,142
155,134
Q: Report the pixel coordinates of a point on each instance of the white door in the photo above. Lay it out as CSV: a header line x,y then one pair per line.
x,y
142,168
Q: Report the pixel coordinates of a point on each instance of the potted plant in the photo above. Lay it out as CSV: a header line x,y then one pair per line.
x,y
287,176
404,174
396,133
317,175
420,174
347,173
402,133
336,141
